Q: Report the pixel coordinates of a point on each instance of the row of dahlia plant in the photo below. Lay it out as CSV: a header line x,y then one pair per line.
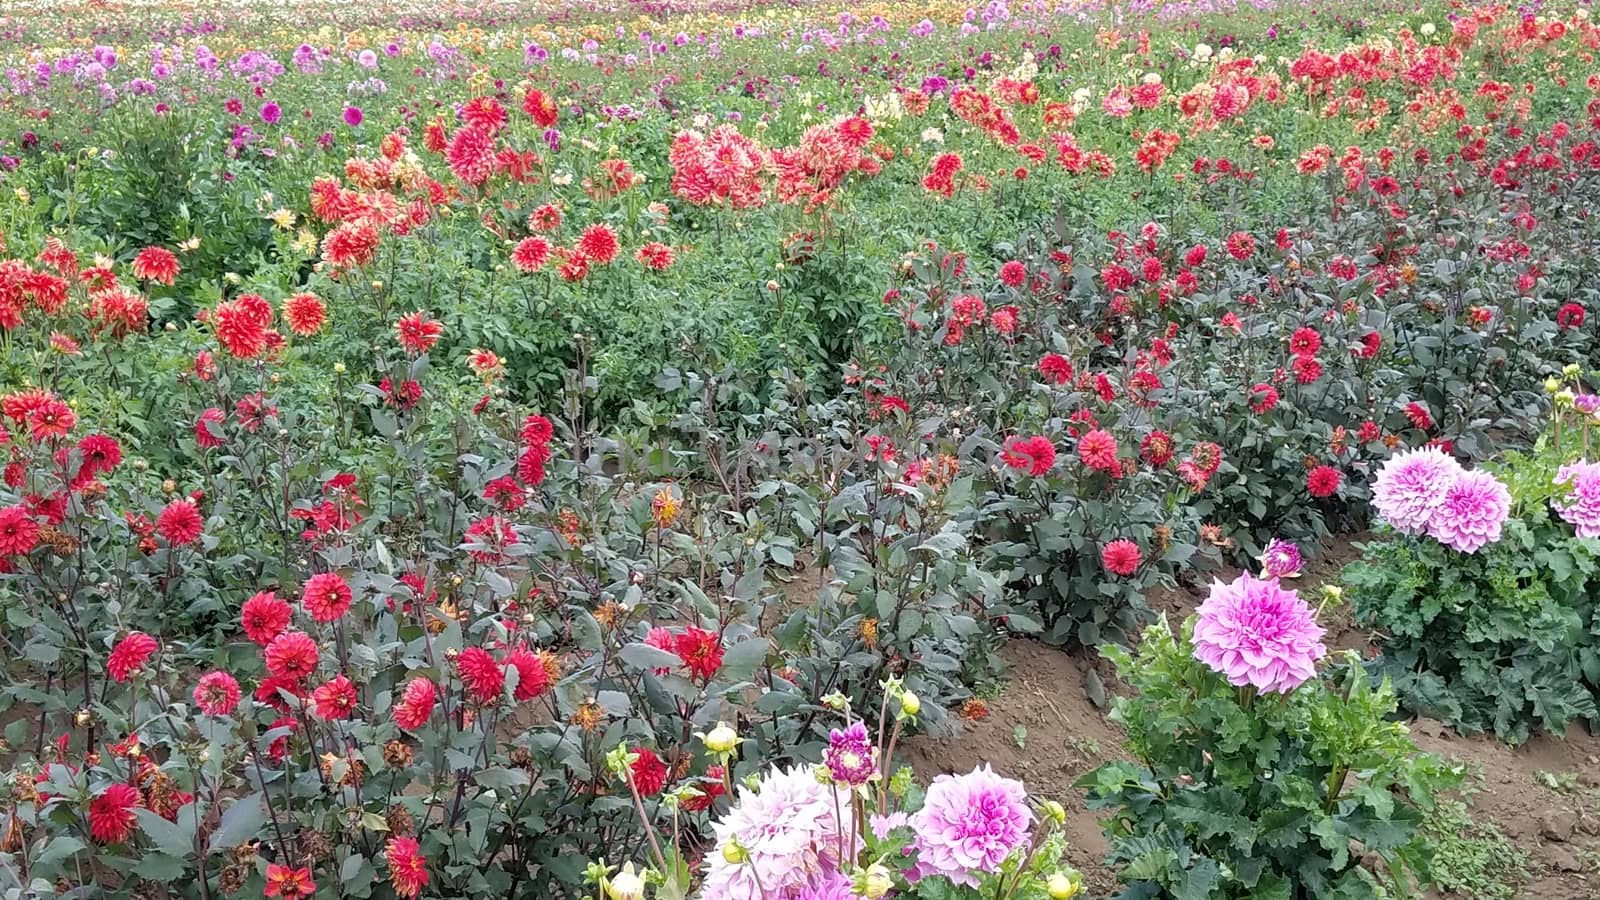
x,y
372,635
1484,581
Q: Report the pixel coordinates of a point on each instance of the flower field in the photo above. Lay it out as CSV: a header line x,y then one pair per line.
x,y
679,448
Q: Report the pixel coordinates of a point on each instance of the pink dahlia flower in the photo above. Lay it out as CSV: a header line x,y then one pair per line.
x,y
969,825
1474,509
1580,507
789,830
1411,485
1254,632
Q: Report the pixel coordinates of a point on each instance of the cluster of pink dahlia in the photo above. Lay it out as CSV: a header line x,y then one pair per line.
x,y
787,835
1254,632
1475,507
1426,491
1411,486
969,824
1580,506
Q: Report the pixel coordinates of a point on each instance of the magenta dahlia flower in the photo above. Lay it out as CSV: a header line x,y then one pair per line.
x,y
969,824
1410,487
1281,559
1580,506
849,758
1474,509
788,832
1254,632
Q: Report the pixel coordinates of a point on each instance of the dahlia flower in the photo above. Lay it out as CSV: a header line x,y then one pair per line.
x,y
969,824
1580,506
788,832
1472,513
1411,486
1254,632
850,759
1281,559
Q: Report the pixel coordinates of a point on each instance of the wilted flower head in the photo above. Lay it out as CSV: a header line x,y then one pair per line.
x,y
969,825
1473,510
1411,486
1254,632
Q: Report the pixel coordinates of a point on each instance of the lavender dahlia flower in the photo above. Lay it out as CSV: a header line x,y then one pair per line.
x,y
830,885
1254,632
1281,559
789,834
969,824
1580,506
1474,509
1411,486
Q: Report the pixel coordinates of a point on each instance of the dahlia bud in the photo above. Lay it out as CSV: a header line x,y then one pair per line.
x,y
722,739
876,881
1551,385
733,854
627,885
83,718
1054,811
910,704
1572,370
1064,885
338,368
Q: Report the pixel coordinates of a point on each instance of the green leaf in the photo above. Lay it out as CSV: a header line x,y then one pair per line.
x,y
239,824
167,836
739,662
159,866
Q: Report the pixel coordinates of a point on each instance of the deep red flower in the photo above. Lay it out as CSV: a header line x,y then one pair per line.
x,y
471,155
1419,416
532,677
1098,450
130,655
1013,274
1241,246
216,693
203,428
1305,342
292,655
334,699
655,256
540,107
1263,397
180,523
264,617
598,244
1056,368
1570,315
156,264
416,704
483,677
101,453
326,596
1035,454
700,650
288,883
19,533
1323,481
1156,448
1121,557
649,772
417,333
111,818
530,254
1306,369
408,869
305,313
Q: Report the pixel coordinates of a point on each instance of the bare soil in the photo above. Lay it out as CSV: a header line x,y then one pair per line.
x,y
1043,729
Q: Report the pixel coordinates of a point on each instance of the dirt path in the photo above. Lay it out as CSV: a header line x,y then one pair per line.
x,y
1544,796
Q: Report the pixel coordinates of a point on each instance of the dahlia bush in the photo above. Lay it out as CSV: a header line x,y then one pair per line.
x,y
1256,773
1496,628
